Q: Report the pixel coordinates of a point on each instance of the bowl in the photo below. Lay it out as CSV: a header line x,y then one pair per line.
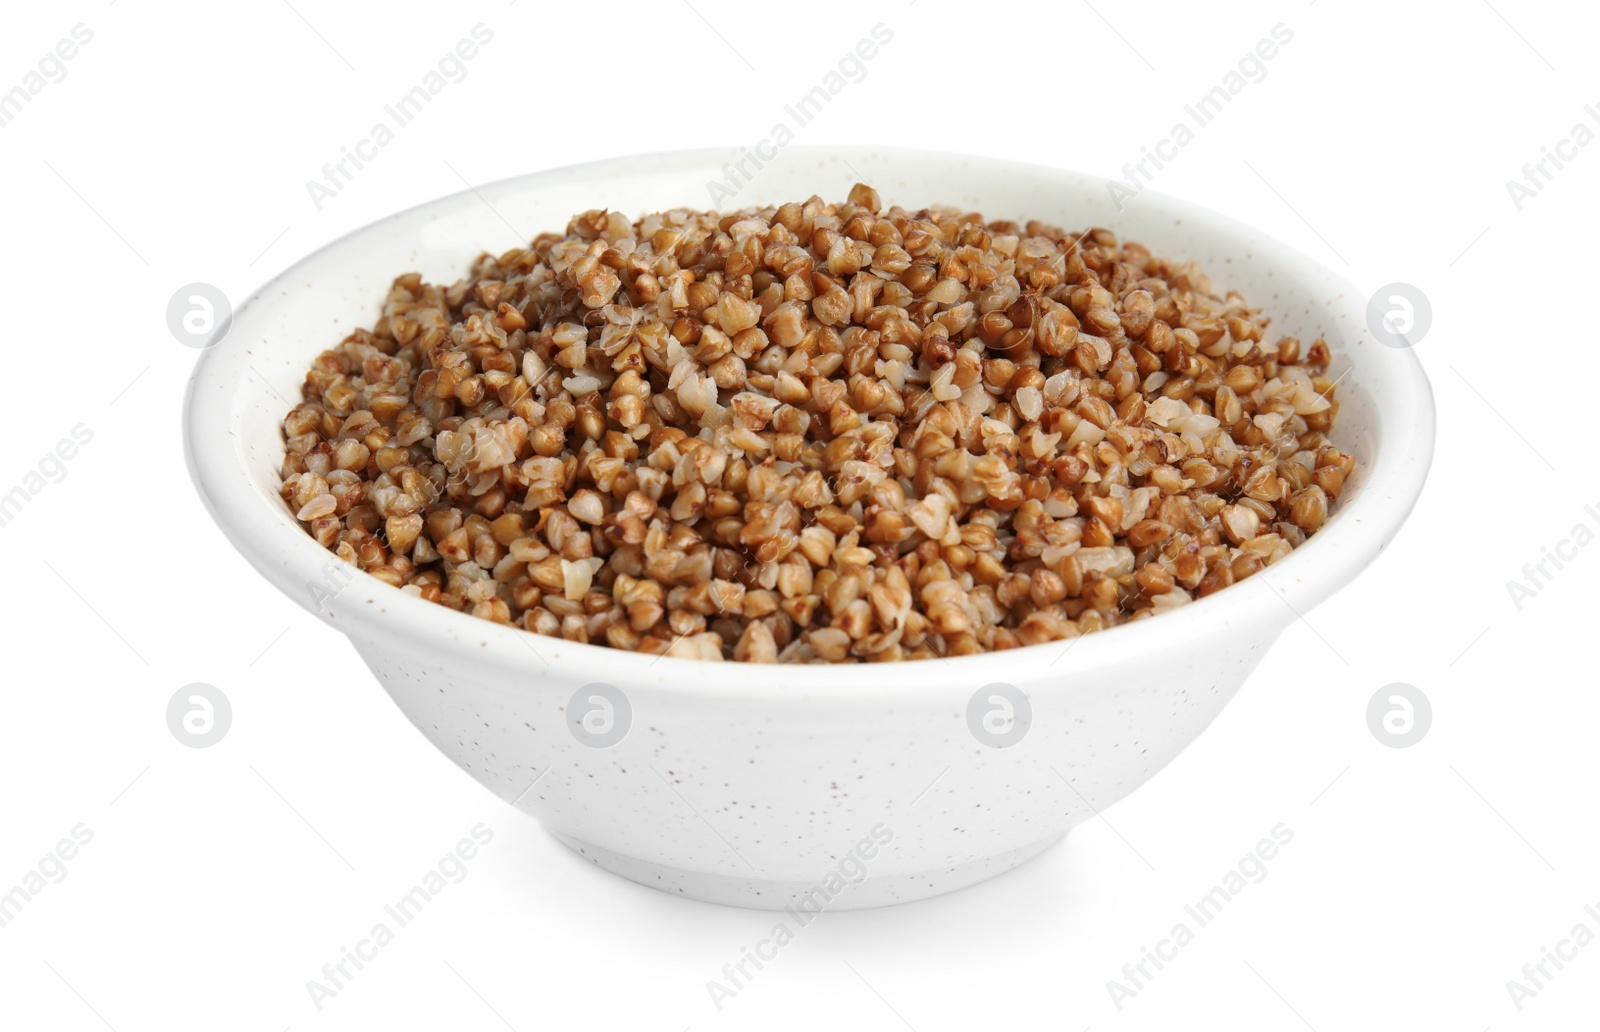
x,y
806,787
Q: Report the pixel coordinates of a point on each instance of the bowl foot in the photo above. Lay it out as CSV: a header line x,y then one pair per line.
x,y
875,890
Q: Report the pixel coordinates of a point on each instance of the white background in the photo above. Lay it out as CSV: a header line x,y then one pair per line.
x,y
219,880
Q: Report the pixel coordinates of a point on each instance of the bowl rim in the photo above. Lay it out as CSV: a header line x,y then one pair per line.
x,y
1327,561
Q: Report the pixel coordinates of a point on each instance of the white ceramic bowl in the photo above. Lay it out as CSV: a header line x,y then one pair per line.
x,y
764,785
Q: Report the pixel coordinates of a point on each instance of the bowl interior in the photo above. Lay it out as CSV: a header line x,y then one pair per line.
x,y
245,385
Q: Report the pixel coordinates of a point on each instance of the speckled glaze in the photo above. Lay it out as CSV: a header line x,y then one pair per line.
x,y
748,785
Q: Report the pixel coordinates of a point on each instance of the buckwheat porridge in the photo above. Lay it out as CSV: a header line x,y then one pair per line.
x,y
815,432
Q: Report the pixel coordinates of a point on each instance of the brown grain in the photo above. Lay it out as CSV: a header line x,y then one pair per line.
x,y
815,433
